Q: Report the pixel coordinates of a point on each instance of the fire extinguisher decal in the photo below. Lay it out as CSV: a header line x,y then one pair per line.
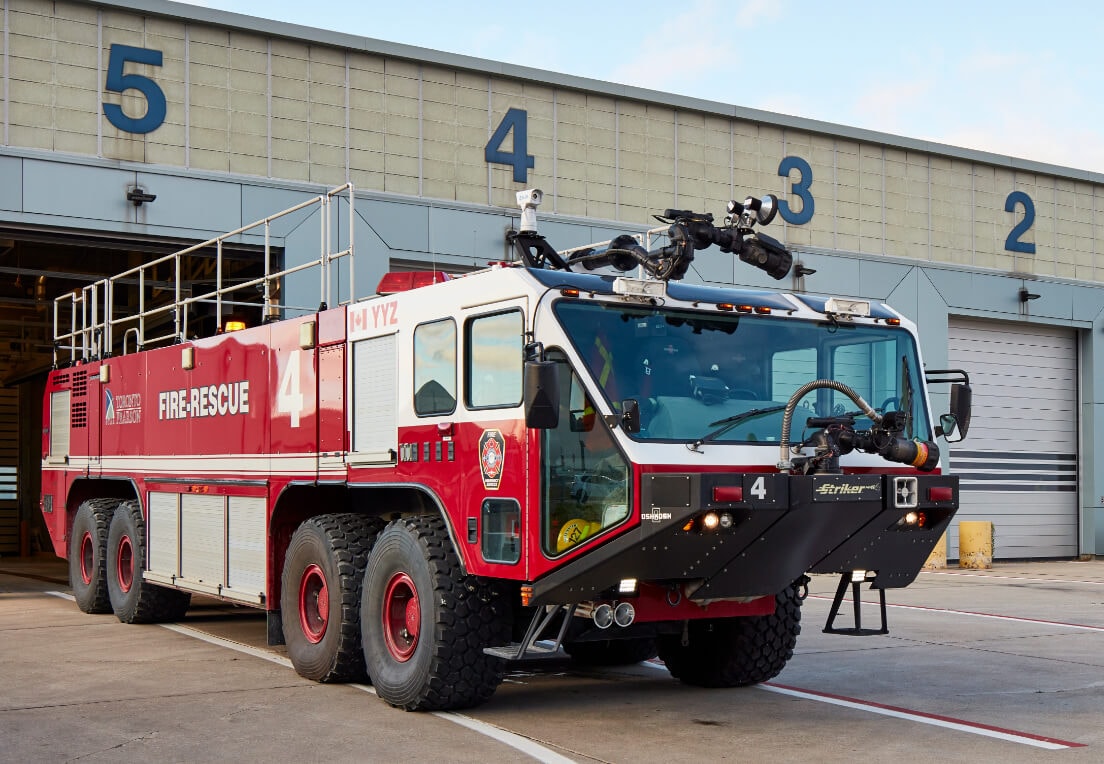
x,y
492,458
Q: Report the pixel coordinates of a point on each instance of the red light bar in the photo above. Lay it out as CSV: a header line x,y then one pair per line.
x,y
404,281
728,493
940,493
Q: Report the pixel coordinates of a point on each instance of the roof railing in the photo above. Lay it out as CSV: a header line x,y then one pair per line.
x,y
92,321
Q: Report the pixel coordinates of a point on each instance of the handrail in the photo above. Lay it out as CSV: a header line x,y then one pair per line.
x,y
92,320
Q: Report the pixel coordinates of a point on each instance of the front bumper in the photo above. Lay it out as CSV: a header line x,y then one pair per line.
x,y
783,526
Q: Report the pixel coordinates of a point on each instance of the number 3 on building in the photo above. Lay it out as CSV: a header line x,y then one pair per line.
x,y
289,393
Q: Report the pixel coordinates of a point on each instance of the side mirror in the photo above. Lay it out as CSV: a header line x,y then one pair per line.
x,y
962,399
630,415
542,395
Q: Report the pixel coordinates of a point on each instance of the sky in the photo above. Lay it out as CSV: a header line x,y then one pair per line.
x,y
1024,79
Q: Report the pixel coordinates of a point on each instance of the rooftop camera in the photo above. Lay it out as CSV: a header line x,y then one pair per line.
x,y
529,200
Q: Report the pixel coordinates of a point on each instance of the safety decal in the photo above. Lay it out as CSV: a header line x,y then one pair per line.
x,y
492,457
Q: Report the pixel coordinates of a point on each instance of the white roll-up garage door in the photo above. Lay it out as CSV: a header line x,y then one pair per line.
x,y
1018,466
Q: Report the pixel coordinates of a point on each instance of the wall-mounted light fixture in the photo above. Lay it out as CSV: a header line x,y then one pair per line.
x,y
800,270
138,196
1026,296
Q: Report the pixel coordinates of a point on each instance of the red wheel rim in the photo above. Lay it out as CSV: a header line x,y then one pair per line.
x,y
402,617
87,558
314,604
125,564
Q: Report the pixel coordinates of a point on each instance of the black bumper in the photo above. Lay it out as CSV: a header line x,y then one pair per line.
x,y
784,526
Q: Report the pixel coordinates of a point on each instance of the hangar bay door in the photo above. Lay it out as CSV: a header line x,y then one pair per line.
x,y
1019,464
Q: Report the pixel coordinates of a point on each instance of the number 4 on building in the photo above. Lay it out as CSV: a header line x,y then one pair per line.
x,y
520,158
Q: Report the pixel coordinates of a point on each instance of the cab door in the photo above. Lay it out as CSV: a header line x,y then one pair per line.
x,y
493,439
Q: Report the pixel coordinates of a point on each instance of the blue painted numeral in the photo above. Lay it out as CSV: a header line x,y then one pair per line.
x,y
1013,243
117,82
800,189
520,158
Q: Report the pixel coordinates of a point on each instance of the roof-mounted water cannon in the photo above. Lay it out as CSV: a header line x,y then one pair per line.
x,y
686,232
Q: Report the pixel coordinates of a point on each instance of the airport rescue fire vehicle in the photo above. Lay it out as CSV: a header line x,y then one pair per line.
x,y
571,453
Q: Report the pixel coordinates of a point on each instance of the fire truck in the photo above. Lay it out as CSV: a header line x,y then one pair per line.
x,y
569,454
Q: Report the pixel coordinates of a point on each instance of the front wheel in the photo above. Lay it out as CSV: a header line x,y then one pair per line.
x,y
133,598
734,652
425,623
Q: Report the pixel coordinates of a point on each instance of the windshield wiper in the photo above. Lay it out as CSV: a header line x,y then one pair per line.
x,y
728,423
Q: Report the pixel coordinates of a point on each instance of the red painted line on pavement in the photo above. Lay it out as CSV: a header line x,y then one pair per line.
x,y
988,730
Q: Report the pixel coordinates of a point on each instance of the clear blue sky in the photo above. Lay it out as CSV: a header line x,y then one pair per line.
x,y
1018,78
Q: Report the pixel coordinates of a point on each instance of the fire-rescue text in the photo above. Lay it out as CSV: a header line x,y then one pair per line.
x,y
207,400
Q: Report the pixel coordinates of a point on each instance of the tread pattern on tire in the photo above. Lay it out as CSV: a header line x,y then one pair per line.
x,y
350,537
146,602
735,652
94,599
470,613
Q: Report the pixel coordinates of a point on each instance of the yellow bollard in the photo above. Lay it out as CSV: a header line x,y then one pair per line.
x,y
975,544
937,560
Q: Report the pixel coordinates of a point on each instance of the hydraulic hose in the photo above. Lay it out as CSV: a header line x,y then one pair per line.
x,y
784,463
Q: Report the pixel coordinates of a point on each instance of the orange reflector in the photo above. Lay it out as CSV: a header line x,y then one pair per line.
x,y
728,493
763,310
921,519
526,595
744,309
689,525
725,306
893,321
569,292
940,493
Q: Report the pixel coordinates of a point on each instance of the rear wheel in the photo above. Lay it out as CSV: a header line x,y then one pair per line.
x,y
133,598
734,652
88,555
612,652
320,596
425,623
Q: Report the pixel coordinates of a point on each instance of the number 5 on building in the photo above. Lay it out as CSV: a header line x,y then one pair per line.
x,y
117,82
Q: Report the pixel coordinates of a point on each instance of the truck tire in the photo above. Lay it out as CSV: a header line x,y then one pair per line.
x,y
425,623
88,555
133,598
735,652
320,596
612,652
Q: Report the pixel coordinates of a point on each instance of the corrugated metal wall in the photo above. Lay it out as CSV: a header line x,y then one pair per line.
x,y
1019,464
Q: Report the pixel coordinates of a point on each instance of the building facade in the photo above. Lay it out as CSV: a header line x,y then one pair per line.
x,y
134,127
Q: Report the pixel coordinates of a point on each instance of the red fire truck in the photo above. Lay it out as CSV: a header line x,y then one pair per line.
x,y
573,453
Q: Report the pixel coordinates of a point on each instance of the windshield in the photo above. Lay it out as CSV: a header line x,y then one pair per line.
x,y
695,373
